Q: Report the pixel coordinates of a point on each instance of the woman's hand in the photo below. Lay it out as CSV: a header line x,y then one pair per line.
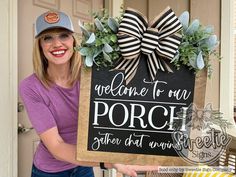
x,y
131,170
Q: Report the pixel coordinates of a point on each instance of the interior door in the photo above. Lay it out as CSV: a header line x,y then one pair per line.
x,y
28,10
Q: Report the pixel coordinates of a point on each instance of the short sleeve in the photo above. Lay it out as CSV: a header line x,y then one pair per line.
x,y
38,111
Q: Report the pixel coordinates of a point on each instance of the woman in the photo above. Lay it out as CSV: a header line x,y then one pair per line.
x,y
50,96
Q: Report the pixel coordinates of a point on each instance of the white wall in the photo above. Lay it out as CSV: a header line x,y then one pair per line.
x,y
8,88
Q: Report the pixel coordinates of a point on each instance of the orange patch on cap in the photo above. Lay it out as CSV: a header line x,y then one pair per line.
x,y
51,17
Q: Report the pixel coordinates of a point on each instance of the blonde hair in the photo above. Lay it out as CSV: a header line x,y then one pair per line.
x,y
40,64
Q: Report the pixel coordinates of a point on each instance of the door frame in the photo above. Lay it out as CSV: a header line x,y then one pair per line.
x,y
8,94
227,62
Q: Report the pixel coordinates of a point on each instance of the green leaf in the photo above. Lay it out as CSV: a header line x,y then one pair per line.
x,y
113,24
84,51
192,61
106,57
98,24
97,52
212,42
113,38
193,27
98,42
89,61
184,19
209,29
107,48
200,61
91,39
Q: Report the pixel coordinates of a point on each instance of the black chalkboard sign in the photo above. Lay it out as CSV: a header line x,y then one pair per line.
x,y
119,121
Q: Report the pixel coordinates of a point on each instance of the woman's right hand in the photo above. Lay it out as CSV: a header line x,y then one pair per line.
x,y
131,170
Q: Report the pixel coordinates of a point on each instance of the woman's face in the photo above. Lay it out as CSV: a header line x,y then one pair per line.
x,y
57,46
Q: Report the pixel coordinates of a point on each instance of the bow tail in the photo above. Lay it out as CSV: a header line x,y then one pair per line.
x,y
156,63
166,66
130,67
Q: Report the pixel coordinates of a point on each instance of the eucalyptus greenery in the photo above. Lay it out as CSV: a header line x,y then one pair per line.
x,y
198,44
99,41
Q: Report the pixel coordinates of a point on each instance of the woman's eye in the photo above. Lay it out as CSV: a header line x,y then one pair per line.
x,y
47,38
64,36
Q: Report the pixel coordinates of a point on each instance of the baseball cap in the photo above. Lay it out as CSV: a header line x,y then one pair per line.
x,y
53,19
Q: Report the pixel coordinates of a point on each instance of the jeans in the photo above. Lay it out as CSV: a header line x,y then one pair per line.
x,y
74,172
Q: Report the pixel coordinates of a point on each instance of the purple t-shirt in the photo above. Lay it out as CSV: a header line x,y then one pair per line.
x,y
49,108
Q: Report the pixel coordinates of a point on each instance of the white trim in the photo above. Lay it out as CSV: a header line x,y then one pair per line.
x,y
227,62
116,4
8,94
113,7
13,48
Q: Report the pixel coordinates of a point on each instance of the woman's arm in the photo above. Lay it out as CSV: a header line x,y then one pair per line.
x,y
60,149
67,152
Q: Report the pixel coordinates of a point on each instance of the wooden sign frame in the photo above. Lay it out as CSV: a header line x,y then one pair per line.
x,y
119,157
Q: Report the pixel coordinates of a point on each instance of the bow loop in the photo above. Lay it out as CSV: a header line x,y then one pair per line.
x,y
167,23
129,49
158,42
168,46
133,23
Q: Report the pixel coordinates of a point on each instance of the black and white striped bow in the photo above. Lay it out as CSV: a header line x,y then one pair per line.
x,y
158,42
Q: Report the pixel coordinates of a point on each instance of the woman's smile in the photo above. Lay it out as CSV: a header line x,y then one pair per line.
x,y
58,53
